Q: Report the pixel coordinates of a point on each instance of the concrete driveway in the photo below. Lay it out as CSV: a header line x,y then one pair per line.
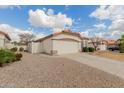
x,y
110,66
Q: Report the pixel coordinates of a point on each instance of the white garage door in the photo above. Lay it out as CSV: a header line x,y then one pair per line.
x,y
65,47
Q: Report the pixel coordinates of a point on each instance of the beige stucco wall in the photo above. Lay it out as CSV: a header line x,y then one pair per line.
x,y
102,47
34,47
40,47
2,41
29,47
46,46
85,43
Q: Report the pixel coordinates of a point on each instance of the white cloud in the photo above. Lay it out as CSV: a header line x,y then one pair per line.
x,y
95,31
87,33
50,12
92,33
84,34
38,36
113,13
100,26
9,6
108,12
14,32
100,13
47,19
100,34
117,25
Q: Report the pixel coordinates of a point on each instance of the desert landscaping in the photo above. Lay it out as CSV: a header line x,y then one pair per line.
x,y
46,71
61,46
111,55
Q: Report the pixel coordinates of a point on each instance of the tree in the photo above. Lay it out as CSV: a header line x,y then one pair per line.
x,y
26,37
121,44
96,41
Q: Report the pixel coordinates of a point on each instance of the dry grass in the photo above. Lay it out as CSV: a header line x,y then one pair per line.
x,y
111,55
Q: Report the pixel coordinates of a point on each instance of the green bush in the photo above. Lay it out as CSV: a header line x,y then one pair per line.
x,y
85,49
21,49
88,49
121,44
18,56
7,56
14,49
91,49
121,48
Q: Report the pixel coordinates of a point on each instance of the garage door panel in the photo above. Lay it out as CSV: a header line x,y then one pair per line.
x,y
65,47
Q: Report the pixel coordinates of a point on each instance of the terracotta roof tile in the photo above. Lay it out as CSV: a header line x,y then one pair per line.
x,y
66,31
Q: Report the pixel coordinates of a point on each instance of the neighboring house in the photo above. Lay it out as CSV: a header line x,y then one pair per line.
x,y
4,40
58,43
98,44
112,44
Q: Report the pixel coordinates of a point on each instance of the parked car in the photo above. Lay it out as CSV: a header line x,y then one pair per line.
x,y
113,48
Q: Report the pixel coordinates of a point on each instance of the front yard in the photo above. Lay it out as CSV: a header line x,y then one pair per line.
x,y
54,71
111,55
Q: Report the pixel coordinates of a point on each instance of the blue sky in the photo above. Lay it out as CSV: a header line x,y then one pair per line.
x,y
80,18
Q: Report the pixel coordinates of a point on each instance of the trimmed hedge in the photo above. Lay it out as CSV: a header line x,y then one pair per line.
x,y
88,49
91,49
85,49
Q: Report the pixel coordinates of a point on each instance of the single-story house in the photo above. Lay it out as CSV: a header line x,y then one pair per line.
x,y
98,44
4,39
58,43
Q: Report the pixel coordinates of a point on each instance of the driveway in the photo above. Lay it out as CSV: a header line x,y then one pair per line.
x,y
108,65
54,71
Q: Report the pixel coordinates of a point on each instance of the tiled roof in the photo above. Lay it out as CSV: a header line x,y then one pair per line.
x,y
66,31
112,42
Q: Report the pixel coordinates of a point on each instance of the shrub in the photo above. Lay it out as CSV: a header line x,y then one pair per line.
x,y
18,56
6,56
14,49
85,49
121,48
121,45
21,49
91,49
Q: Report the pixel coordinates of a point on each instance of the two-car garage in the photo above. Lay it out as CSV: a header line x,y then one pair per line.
x,y
66,46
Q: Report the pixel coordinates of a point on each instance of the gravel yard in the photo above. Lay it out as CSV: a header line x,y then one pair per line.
x,y
47,71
